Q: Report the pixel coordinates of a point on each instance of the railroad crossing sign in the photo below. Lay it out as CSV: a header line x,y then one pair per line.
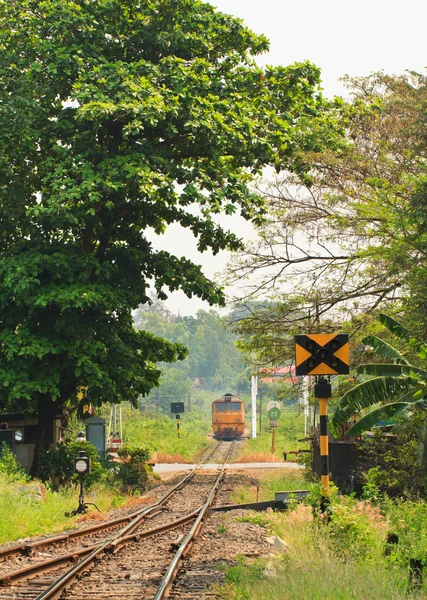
x,y
274,413
322,354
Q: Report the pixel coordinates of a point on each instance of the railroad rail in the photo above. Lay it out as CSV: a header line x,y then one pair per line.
x,y
86,556
27,549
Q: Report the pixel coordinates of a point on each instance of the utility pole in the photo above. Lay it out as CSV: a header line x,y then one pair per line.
x,y
254,387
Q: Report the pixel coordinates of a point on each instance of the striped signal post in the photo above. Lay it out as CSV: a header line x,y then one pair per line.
x,y
322,355
322,391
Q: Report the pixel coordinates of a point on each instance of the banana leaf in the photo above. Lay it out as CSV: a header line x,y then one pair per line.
x,y
372,418
384,350
403,333
390,370
395,327
374,391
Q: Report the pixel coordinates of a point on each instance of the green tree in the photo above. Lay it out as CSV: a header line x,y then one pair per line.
x,y
352,237
213,357
117,117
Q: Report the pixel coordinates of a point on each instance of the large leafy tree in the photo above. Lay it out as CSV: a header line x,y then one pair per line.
x,y
213,360
118,117
353,236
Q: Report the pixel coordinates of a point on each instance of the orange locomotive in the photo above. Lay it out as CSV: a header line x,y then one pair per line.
x,y
228,417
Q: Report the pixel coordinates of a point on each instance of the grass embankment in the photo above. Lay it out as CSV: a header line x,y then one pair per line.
x,y
341,559
290,429
269,484
25,515
158,433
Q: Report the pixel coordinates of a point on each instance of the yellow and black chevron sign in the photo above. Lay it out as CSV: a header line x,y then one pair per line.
x,y
322,354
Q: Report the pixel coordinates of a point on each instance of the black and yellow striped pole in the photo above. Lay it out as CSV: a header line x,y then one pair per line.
x,y
322,391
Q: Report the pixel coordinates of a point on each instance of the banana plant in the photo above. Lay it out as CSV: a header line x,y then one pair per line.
x,y
393,387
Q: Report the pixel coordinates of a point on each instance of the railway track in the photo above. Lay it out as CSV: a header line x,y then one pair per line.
x,y
132,562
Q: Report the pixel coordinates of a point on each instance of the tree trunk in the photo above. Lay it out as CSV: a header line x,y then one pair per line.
x,y
422,452
47,410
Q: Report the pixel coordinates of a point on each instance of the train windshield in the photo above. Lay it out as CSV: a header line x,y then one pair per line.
x,y
224,406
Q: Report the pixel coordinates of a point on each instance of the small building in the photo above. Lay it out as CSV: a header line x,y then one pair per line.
x,y
347,463
21,434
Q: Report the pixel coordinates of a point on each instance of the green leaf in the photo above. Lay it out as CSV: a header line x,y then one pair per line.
x,y
384,350
387,411
390,370
395,327
368,393
403,333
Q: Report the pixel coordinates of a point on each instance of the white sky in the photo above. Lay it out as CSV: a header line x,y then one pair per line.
x,y
340,38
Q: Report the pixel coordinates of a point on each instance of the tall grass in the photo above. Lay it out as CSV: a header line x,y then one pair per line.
x,y
341,558
290,429
312,568
158,433
270,483
23,515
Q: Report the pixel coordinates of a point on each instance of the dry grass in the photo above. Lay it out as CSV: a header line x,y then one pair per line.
x,y
252,457
162,457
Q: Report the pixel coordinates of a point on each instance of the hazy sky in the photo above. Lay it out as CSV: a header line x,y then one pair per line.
x,y
340,38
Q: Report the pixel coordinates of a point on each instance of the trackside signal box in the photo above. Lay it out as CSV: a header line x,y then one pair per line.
x,y
322,354
177,408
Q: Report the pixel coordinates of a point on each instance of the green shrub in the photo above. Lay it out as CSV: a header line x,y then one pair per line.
x,y
10,466
133,468
408,520
356,529
57,463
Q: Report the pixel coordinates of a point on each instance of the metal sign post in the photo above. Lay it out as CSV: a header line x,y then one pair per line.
x,y
82,466
176,409
273,415
323,391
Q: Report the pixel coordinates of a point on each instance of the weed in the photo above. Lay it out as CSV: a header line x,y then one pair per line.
x,y
222,529
10,466
254,518
25,515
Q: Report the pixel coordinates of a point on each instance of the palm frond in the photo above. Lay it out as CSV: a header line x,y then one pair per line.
x,y
374,391
387,411
384,350
390,370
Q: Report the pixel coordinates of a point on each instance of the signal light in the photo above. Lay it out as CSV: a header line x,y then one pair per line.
x,y
323,354
310,346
